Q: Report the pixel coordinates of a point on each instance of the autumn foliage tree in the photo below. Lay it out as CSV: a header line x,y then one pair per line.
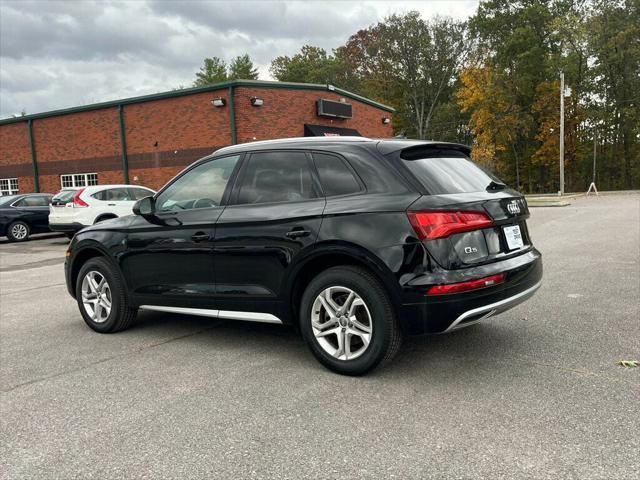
x,y
495,121
492,82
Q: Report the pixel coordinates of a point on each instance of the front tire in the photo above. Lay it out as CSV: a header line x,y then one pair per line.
x,y
101,297
348,321
18,231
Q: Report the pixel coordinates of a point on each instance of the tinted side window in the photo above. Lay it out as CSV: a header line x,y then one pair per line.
x,y
114,195
102,195
139,193
276,177
33,202
201,187
336,177
64,196
119,195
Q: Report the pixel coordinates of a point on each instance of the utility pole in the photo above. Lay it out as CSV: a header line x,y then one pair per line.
x,y
561,192
594,157
593,180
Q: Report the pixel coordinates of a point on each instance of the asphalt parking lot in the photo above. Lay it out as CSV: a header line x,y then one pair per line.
x,y
532,393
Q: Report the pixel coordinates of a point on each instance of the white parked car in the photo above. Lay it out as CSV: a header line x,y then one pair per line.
x,y
74,209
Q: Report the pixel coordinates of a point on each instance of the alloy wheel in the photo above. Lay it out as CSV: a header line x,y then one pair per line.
x,y
19,231
341,323
96,296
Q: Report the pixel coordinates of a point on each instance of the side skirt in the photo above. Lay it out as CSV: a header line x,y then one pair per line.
x,y
226,314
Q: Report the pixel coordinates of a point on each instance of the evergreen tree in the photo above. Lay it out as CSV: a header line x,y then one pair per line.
x,y
213,71
242,68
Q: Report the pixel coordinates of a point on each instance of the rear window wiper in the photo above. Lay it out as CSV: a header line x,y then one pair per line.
x,y
495,186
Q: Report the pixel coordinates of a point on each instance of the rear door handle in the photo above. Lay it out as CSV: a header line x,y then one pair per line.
x,y
111,204
200,237
298,232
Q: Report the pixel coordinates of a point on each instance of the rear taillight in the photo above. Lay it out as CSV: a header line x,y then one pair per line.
x,y
77,201
433,225
467,286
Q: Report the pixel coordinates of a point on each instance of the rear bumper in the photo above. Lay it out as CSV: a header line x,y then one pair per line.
x,y
478,314
66,227
445,313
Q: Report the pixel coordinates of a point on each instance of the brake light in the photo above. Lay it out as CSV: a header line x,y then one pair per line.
x,y
77,201
433,225
467,286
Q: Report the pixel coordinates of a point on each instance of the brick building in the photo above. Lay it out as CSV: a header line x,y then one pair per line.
x,y
147,140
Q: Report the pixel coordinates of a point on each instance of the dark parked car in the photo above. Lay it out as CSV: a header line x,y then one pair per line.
x,y
355,242
22,215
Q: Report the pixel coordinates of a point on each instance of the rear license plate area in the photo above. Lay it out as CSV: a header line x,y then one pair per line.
x,y
513,236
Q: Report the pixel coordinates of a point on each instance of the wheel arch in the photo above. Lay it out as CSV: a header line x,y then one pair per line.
x,y
19,219
104,216
334,255
82,256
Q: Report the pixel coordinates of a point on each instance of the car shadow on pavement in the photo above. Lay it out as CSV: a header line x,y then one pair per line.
x,y
38,236
481,350
474,349
60,241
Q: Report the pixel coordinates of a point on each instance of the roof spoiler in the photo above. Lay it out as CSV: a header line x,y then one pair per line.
x,y
410,149
431,149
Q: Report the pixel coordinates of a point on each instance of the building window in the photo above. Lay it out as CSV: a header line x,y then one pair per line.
x,y
79,180
9,186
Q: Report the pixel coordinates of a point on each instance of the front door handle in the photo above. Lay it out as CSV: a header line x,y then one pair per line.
x,y
298,232
200,237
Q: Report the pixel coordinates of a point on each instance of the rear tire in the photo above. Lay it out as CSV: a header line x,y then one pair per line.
x,y
364,317
101,297
18,231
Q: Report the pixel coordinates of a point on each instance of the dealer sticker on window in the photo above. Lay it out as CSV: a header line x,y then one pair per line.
x,y
514,237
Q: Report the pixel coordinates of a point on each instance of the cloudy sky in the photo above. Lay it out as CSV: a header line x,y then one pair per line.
x,y
57,54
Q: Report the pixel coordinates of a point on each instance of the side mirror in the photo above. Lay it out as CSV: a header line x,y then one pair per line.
x,y
145,207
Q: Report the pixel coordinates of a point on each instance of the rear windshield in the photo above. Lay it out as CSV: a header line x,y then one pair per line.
x,y
443,171
64,195
6,200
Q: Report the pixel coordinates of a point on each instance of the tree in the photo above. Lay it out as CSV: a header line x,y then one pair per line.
x,y
311,65
213,71
409,62
493,82
615,47
515,40
242,67
547,111
495,120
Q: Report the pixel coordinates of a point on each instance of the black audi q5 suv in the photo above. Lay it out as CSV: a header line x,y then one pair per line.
x,y
354,242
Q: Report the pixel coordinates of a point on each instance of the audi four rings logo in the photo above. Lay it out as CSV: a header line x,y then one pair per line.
x,y
513,207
